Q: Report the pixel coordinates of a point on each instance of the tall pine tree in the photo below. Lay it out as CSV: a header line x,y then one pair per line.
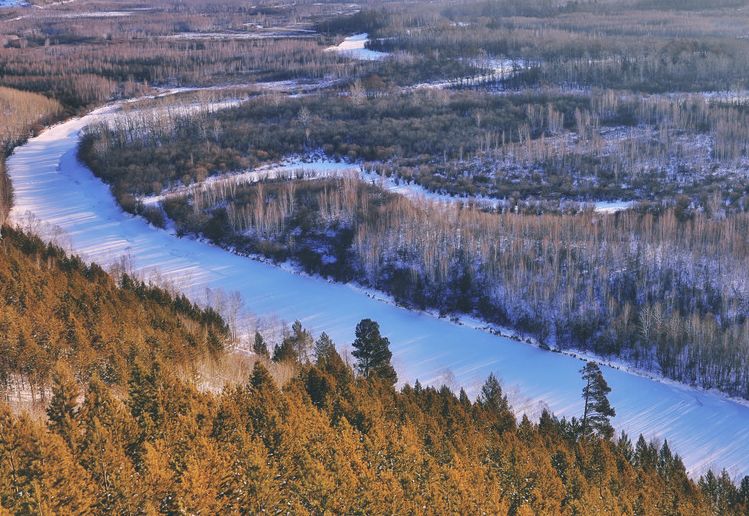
x,y
597,410
496,406
372,352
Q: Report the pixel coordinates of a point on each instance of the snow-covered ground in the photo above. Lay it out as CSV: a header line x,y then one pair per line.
x,y
612,206
94,14
12,3
707,429
281,34
354,47
494,70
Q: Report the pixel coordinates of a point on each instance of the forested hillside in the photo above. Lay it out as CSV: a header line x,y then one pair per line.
x,y
55,308
125,433
128,429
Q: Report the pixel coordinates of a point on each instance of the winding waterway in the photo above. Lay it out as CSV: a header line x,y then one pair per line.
x,y
706,429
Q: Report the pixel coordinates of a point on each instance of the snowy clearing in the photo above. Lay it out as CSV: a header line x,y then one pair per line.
x,y
707,429
612,206
355,48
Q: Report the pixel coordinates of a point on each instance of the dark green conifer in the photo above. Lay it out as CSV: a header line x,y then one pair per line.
x,y
372,352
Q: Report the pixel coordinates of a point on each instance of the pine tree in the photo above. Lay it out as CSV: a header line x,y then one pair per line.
x,y
324,348
157,476
285,352
665,460
260,377
495,403
372,352
259,346
491,396
744,491
624,446
328,359
597,410
145,399
62,411
295,347
463,397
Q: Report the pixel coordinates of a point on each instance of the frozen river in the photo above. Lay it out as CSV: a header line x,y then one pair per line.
x,y
706,429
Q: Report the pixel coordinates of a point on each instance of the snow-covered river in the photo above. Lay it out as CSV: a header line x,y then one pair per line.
x,y
707,429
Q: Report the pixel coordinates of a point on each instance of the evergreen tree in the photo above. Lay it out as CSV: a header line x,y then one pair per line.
x,y
597,410
328,359
744,491
259,346
145,399
372,352
624,446
495,403
320,386
665,460
260,377
491,396
324,348
285,352
463,397
295,347
62,410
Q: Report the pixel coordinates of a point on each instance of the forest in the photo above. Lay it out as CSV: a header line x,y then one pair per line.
x,y
523,149
127,424
56,308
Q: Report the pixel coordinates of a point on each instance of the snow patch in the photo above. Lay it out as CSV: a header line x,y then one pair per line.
x,y
612,206
354,47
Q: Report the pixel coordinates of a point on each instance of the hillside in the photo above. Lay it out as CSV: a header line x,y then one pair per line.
x,y
55,308
127,433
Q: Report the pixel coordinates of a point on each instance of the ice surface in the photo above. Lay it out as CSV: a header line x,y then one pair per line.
x,y
707,429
